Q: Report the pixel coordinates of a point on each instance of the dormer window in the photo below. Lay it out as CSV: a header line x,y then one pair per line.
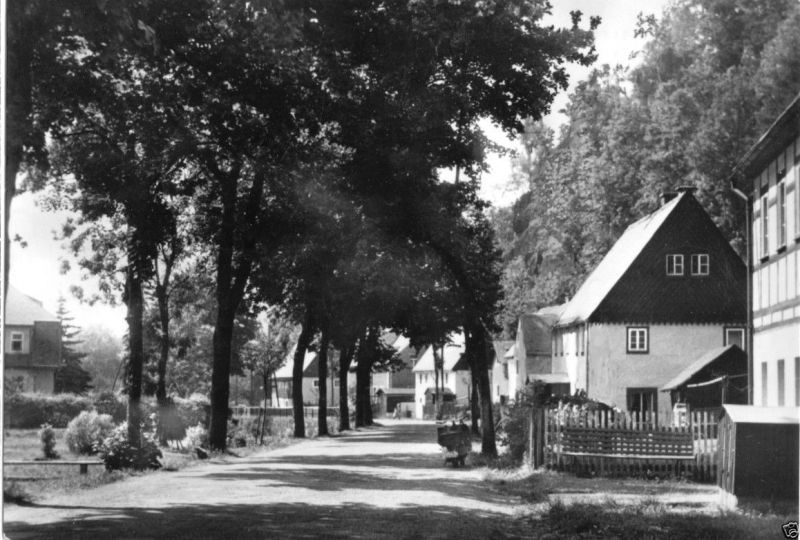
x,y
700,264
674,264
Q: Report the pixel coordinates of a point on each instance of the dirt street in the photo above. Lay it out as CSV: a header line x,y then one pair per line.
x,y
383,482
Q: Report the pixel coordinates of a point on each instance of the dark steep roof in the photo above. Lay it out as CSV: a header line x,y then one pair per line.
x,y
630,284
732,357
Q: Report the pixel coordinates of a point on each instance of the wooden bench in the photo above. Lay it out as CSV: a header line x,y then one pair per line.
x,y
627,443
83,466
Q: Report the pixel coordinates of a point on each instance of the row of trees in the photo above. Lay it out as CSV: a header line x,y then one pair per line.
x,y
711,77
280,153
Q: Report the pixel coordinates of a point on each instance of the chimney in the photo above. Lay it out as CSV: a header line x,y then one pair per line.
x,y
666,196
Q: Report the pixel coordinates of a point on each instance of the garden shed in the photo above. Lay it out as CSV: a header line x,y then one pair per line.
x,y
758,451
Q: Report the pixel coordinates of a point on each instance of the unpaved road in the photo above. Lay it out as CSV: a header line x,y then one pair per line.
x,y
385,482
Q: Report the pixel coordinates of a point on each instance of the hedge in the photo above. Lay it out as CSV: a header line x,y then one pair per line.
x,y
27,411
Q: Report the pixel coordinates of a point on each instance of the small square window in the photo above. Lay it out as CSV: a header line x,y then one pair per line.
x,y
16,341
734,336
638,340
674,264
315,382
700,264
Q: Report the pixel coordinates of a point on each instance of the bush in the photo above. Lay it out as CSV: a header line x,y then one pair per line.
x,y
118,453
87,431
111,404
196,436
194,410
48,438
29,411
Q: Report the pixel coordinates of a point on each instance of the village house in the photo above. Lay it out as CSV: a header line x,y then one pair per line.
x,y
456,384
394,387
32,351
283,379
671,289
769,177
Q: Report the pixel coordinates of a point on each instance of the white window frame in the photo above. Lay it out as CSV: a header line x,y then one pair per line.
x,y
781,214
17,337
739,331
674,264
700,264
638,339
315,383
764,226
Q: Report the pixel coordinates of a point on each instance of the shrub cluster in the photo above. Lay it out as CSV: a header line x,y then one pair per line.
x,y
48,438
29,411
87,431
113,405
118,453
196,436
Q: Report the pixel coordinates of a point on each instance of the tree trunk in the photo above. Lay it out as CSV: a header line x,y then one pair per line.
x,y
306,334
437,404
22,31
474,404
362,384
478,352
135,304
344,367
322,365
161,385
220,376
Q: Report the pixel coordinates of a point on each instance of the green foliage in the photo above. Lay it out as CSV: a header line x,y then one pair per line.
x,y
111,404
48,437
71,377
87,431
713,76
31,410
118,453
196,436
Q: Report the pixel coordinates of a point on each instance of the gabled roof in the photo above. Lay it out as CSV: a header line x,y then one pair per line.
x,y
24,310
689,371
501,348
616,262
285,371
452,354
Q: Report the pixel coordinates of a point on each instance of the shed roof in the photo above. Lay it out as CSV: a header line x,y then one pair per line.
x,y
750,414
24,310
700,363
615,264
501,348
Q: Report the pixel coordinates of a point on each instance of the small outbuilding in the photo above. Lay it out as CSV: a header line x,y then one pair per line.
x,y
717,377
758,452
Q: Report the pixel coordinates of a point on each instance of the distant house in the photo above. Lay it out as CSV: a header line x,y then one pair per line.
x,y
396,386
498,374
533,353
32,343
283,378
456,383
667,292
769,175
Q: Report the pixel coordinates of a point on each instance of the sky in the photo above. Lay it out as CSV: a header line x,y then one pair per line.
x,y
35,269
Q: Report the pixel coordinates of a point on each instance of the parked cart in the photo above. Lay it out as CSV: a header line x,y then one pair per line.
x,y
456,442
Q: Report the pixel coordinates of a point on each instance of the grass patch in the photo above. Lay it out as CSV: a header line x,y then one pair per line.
x,y
25,444
649,519
521,482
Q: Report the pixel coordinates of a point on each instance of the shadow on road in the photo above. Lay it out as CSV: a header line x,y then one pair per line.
x,y
244,521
